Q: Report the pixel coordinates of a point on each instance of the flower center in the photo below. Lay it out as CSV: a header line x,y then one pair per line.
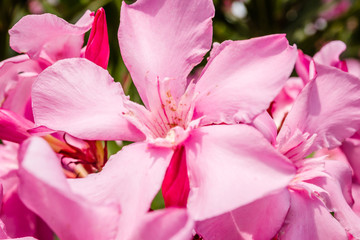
x,y
79,157
168,115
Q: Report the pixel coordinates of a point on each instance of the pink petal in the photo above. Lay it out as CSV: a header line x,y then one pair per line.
x,y
98,49
351,149
44,190
20,221
353,66
329,54
339,189
356,195
13,127
9,165
160,39
309,219
302,66
49,36
227,161
16,77
132,177
266,125
260,219
3,234
175,187
283,102
324,114
19,99
172,223
84,93
233,89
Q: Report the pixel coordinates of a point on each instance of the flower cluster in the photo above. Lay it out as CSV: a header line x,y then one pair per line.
x,y
240,150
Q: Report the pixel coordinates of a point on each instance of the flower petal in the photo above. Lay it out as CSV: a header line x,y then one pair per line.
x,y
302,66
97,49
260,219
242,78
231,166
160,39
175,187
170,223
132,177
13,127
309,219
20,221
266,125
339,189
16,77
283,102
44,190
325,113
351,149
329,54
356,194
353,66
81,98
49,36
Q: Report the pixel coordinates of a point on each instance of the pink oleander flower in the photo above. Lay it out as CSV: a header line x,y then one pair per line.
x,y
196,124
330,55
49,39
55,39
323,114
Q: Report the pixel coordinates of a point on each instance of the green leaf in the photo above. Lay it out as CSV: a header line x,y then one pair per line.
x,y
130,1
158,202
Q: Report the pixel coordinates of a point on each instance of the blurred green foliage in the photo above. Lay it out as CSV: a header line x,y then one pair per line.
x,y
301,20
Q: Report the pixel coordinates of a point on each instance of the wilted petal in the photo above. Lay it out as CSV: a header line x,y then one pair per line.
x,y
242,78
261,219
160,39
43,189
326,112
231,166
49,37
81,98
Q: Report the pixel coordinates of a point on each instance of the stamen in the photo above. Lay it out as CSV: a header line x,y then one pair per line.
x,y
58,145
